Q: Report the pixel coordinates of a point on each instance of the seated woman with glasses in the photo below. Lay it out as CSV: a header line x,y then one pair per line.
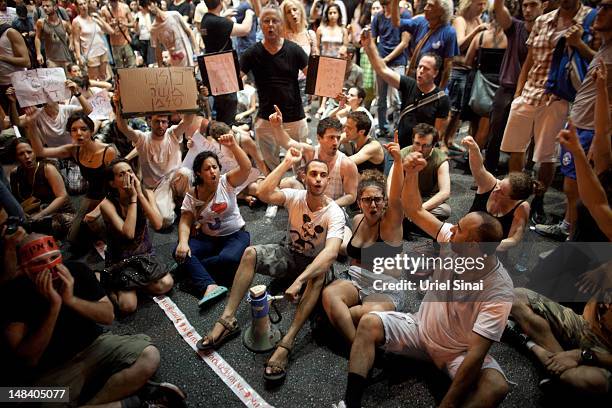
x,y
377,233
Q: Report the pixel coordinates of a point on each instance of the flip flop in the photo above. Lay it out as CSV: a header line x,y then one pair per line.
x,y
218,291
231,330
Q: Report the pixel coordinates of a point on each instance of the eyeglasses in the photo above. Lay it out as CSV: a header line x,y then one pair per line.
x,y
370,200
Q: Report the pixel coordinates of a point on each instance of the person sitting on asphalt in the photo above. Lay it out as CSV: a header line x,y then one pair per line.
x,y
40,189
434,179
343,176
159,153
346,301
211,208
127,211
504,199
314,235
363,150
53,314
455,335
576,350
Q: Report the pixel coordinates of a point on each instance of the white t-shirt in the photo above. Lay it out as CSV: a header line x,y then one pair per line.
x,y
445,325
7,16
158,158
172,37
200,10
308,231
144,25
53,130
221,216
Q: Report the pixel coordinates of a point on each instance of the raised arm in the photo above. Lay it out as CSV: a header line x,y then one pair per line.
x,y
238,175
281,136
395,213
600,148
122,125
502,15
267,190
411,196
387,74
484,180
74,88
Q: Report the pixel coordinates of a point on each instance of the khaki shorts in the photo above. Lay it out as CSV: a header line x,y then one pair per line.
x,y
87,372
279,261
542,122
570,329
97,60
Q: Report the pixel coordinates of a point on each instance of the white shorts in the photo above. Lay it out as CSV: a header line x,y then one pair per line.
x,y
402,337
542,122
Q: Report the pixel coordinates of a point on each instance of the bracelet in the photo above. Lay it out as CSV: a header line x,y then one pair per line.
x,y
77,94
134,202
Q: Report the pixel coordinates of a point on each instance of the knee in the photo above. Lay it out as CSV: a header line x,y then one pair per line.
x,y
149,361
161,286
370,327
249,256
520,305
586,379
128,303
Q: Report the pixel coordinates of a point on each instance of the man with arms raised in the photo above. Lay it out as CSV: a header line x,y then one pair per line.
x,y
453,328
343,175
314,234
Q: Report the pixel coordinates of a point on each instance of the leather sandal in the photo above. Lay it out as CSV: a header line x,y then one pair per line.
x,y
231,330
276,378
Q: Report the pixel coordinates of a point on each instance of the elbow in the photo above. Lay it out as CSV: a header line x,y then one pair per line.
x,y
157,224
444,195
109,316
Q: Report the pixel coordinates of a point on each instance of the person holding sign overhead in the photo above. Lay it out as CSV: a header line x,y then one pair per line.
x,y
276,63
217,31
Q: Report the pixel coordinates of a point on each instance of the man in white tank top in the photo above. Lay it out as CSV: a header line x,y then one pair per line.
x,y
343,174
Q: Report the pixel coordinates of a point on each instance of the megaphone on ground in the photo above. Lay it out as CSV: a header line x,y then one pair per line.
x,y
262,335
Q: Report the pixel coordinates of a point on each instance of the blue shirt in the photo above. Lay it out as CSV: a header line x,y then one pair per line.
x,y
442,42
242,43
388,37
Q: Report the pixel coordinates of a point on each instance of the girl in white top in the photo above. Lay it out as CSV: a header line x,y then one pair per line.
x,y
211,207
88,38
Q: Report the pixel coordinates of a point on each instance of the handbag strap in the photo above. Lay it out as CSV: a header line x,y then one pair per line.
x,y
420,103
417,51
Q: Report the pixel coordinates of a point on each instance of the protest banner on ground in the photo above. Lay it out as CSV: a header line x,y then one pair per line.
x,y
38,86
325,76
157,91
221,72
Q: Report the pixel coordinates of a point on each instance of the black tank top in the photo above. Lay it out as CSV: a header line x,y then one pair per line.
x,y
384,250
367,165
480,204
94,176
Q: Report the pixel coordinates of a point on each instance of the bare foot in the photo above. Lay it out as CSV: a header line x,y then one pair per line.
x,y
210,288
280,355
217,331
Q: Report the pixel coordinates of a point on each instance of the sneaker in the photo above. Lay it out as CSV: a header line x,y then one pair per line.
x,y
162,395
271,212
555,231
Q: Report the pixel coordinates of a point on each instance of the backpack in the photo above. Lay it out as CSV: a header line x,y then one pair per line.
x,y
568,68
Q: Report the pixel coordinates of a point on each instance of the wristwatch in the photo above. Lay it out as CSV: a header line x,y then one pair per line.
x,y
587,357
77,94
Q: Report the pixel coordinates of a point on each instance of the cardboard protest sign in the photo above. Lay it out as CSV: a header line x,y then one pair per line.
x,y
38,86
221,72
101,105
157,91
325,76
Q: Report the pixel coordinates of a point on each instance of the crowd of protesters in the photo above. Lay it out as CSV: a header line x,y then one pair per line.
x,y
507,88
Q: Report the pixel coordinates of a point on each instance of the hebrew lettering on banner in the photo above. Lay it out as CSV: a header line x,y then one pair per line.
x,y
39,86
157,90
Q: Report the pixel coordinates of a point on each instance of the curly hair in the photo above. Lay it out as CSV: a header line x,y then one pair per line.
x,y
372,178
523,185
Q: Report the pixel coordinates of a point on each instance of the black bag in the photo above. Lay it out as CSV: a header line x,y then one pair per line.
x,y
132,273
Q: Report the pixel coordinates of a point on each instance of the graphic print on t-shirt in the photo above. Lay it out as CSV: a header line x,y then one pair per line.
x,y
301,240
217,208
